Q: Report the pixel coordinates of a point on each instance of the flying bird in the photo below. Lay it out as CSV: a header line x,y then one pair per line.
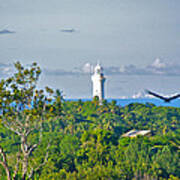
x,y
166,99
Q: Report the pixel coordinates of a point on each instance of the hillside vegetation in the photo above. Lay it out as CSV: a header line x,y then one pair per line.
x,y
42,136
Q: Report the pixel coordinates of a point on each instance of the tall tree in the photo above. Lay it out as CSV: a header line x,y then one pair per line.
x,y
24,109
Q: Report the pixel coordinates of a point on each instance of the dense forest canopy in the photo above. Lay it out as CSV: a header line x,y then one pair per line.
x,y
42,136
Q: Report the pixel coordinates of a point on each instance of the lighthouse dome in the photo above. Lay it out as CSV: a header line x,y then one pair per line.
x,y
98,69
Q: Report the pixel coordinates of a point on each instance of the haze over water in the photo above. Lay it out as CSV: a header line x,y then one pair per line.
x,y
137,39
116,86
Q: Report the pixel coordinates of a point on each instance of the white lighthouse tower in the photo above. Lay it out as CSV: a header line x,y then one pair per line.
x,y
98,80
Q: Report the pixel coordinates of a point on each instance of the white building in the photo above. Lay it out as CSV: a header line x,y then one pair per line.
x,y
135,133
98,80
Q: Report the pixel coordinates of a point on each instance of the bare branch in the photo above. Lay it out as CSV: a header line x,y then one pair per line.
x,y
42,164
28,131
19,122
3,162
34,146
8,126
17,166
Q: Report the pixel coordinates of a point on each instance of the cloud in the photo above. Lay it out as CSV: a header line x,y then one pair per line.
x,y
138,95
125,70
87,68
58,72
68,30
158,64
141,94
5,70
157,67
6,31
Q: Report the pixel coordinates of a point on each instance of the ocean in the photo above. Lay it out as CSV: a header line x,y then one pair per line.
x,y
124,102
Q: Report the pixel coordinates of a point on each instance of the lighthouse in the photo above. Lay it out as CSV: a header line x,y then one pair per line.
x,y
98,80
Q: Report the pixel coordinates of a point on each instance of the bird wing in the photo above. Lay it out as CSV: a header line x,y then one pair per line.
x,y
174,97
156,95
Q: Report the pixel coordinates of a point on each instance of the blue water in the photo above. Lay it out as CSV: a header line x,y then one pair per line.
x,y
124,102
157,102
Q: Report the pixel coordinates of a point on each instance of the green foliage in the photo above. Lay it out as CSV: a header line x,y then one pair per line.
x,y
85,138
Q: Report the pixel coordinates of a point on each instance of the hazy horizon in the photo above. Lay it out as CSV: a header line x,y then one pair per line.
x,y
135,41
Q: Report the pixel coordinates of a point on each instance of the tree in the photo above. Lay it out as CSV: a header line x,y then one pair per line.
x,y
3,162
24,109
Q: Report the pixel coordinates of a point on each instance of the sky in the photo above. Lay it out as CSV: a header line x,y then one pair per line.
x,y
136,41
